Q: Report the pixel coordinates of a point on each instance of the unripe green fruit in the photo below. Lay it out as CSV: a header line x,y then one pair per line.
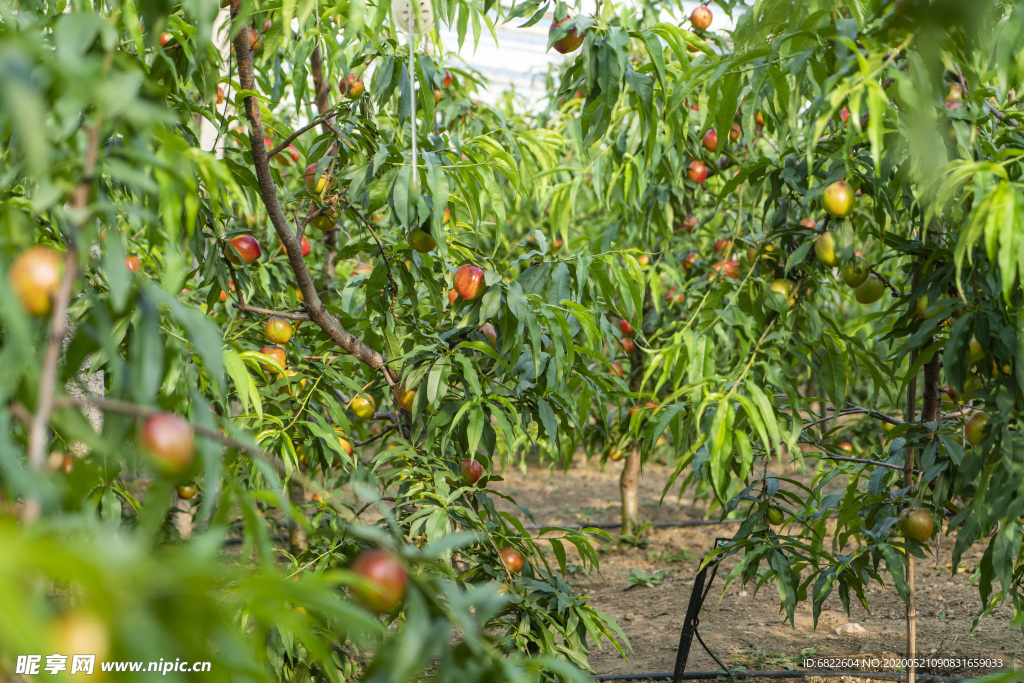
x,y
977,353
856,272
976,428
918,525
838,199
870,290
421,240
825,249
924,310
783,287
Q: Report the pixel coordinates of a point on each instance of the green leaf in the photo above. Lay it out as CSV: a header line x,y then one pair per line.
x,y
728,92
474,429
834,370
548,419
437,381
245,387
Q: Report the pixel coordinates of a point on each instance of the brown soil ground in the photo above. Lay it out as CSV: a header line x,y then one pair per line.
x,y
744,628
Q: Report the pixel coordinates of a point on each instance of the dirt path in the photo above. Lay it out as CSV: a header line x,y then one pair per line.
x,y
743,627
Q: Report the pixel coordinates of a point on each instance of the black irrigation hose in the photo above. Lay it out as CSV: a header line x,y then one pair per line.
x,y
236,540
657,525
709,675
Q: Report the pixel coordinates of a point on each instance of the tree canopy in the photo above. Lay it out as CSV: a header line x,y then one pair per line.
x,y
244,315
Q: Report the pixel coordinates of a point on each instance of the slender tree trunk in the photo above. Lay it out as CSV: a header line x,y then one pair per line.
x,y
297,541
181,516
929,413
629,480
629,485
908,477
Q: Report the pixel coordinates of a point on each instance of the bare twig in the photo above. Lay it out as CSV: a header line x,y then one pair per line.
x,y
382,415
962,80
494,545
267,311
885,281
995,112
59,318
864,461
125,408
384,432
369,228
367,505
320,86
908,478
320,90
268,192
291,138
224,113
857,410
314,211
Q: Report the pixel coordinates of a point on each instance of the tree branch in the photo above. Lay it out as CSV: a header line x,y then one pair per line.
x,y
268,193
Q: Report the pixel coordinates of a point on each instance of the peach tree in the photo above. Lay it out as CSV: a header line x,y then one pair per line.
x,y
263,366
828,201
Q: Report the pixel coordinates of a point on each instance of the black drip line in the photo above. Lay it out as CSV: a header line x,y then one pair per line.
x,y
697,596
746,675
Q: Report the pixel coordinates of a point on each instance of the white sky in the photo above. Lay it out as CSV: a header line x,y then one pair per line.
x,y
519,59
